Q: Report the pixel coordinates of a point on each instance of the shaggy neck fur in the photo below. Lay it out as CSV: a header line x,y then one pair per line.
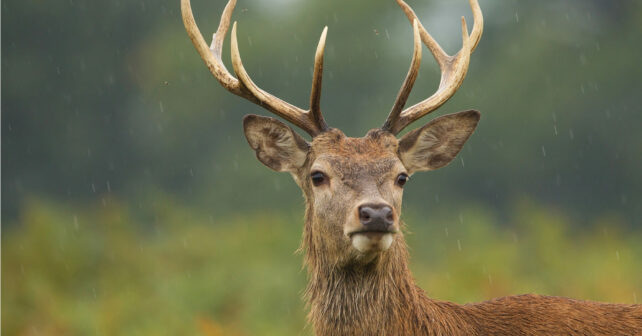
x,y
381,298
376,298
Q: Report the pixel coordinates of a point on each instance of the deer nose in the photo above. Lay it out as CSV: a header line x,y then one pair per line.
x,y
376,217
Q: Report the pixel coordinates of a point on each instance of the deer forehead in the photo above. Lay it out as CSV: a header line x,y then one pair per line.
x,y
356,159
353,170
376,144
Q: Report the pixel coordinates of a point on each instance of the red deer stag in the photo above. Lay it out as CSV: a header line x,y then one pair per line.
x,y
355,252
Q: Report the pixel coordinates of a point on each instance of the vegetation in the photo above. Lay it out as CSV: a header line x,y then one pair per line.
x,y
108,270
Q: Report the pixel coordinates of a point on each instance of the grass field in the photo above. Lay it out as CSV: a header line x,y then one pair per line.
x,y
109,269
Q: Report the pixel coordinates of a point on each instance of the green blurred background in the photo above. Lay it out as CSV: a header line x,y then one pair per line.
x,y
132,205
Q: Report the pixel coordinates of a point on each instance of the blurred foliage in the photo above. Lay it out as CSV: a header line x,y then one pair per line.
x,y
103,270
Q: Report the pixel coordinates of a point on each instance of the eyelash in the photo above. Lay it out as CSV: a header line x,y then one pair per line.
x,y
318,178
402,179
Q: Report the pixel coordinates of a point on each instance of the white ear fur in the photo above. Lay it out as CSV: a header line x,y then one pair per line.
x,y
438,142
276,145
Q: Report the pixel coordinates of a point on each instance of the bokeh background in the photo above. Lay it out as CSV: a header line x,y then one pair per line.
x,y
132,205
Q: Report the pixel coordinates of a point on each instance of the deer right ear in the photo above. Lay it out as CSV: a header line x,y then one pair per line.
x,y
276,145
437,143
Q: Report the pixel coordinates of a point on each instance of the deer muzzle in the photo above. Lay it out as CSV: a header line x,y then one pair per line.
x,y
376,228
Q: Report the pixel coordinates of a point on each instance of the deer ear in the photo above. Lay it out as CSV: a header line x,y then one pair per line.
x,y
276,145
438,142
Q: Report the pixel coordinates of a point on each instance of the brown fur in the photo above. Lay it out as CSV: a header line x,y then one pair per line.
x,y
351,293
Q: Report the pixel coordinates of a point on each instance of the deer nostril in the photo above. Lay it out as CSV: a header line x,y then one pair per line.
x,y
365,214
376,217
389,215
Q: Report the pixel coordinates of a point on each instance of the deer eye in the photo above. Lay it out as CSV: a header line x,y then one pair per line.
x,y
318,178
402,179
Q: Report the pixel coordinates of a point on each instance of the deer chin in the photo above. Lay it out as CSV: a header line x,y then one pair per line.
x,y
369,242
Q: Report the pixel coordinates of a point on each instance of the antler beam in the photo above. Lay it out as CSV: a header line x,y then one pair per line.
x,y
310,120
453,70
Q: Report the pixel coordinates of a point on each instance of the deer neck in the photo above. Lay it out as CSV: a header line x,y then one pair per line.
x,y
375,298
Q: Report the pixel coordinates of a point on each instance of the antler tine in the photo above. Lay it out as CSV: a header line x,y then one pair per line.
x,y
453,68
406,87
478,25
310,121
317,77
212,57
439,54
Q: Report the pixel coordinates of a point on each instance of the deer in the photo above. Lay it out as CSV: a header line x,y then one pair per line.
x,y
355,254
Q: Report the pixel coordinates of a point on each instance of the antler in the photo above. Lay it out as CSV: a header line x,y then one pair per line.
x,y
453,70
310,121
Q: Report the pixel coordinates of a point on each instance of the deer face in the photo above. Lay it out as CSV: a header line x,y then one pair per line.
x,y
354,186
354,189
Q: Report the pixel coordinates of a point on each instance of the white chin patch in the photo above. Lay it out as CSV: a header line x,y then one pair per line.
x,y
371,242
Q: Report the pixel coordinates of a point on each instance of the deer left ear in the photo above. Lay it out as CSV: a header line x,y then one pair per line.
x,y
438,142
276,145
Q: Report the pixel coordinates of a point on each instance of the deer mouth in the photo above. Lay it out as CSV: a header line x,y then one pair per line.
x,y
371,241
371,233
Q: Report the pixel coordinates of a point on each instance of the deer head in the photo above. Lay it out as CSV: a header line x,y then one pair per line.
x,y
353,186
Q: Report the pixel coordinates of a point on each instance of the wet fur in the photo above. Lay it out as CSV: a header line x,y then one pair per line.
x,y
352,294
